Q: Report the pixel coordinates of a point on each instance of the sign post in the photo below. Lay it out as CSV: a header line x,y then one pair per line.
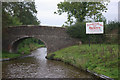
x,y
94,28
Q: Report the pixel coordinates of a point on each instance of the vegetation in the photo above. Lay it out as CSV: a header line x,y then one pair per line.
x,y
28,48
25,47
6,55
29,45
82,11
102,59
78,30
111,27
19,13
112,31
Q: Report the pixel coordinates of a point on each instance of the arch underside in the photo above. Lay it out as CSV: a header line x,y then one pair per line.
x,y
15,43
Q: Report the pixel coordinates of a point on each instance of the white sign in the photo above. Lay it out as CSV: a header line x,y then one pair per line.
x,y
94,28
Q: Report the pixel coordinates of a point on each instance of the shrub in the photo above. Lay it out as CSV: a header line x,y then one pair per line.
x,y
111,26
79,31
112,30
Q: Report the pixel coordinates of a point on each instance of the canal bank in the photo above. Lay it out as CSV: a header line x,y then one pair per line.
x,y
100,60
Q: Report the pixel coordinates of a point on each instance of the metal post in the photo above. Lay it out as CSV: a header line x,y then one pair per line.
x,y
89,40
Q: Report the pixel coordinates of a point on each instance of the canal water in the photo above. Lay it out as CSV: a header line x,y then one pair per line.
x,y
37,66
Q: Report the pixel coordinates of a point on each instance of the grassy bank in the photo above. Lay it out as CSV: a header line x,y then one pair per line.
x,y
10,55
28,48
102,59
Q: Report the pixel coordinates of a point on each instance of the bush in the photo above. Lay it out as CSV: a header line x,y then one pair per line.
x,y
111,30
79,31
111,26
29,45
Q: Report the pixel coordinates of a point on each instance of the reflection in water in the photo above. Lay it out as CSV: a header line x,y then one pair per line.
x,y
37,66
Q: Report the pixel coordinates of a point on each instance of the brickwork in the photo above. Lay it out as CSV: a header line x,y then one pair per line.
x,y
55,38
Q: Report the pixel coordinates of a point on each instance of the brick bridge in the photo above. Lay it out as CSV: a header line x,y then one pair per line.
x,y
55,38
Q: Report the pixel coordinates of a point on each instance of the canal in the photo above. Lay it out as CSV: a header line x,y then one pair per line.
x,y
37,66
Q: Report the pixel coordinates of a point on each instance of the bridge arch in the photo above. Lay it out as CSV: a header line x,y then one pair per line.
x,y
14,44
55,38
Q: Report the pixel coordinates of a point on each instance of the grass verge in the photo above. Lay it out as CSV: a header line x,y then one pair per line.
x,y
99,58
10,55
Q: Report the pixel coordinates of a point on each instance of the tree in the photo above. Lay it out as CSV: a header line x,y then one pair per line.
x,y
19,13
81,10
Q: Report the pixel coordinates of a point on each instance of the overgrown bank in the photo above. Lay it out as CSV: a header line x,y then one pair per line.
x,y
99,58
